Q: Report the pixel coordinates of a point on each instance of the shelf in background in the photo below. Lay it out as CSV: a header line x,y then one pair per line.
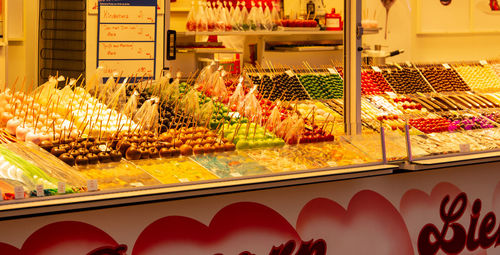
x,y
258,33
209,50
371,31
367,31
306,49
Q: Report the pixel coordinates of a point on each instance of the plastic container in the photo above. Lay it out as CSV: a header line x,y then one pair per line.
x,y
333,21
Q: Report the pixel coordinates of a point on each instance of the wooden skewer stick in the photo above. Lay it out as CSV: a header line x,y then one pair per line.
x,y
53,129
13,91
333,126
84,127
236,130
326,121
254,131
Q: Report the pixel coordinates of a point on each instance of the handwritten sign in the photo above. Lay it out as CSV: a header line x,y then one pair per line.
x,y
39,190
464,147
61,188
123,50
289,72
127,37
18,192
128,67
124,32
127,14
332,71
92,185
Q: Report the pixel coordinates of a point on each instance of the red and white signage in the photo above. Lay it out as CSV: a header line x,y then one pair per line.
x,y
449,211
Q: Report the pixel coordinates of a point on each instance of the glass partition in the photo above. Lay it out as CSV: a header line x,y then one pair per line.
x,y
440,76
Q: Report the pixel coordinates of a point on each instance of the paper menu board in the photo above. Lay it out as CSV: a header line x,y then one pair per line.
x,y
127,37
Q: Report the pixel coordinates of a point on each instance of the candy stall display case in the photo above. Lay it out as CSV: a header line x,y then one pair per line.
x,y
221,157
130,175
450,108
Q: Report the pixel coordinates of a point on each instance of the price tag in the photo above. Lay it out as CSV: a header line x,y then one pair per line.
x,y
235,174
331,163
391,94
376,69
92,185
446,66
39,190
234,114
464,147
289,72
332,71
357,161
184,180
61,187
1,195
18,192
408,63
483,62
102,147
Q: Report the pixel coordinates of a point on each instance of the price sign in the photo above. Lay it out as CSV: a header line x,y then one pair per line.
x,y
391,94
332,71
376,69
235,174
289,72
127,37
234,114
184,180
332,163
92,185
483,62
39,190
446,66
18,192
61,187
464,147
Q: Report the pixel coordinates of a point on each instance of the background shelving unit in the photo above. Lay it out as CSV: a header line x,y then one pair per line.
x,y
268,45
3,43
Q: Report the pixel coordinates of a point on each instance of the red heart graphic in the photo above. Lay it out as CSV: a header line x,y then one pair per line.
x,y
370,225
239,227
9,249
66,237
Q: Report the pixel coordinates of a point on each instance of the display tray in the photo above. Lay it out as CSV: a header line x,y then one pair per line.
x,y
214,128
451,160
120,197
